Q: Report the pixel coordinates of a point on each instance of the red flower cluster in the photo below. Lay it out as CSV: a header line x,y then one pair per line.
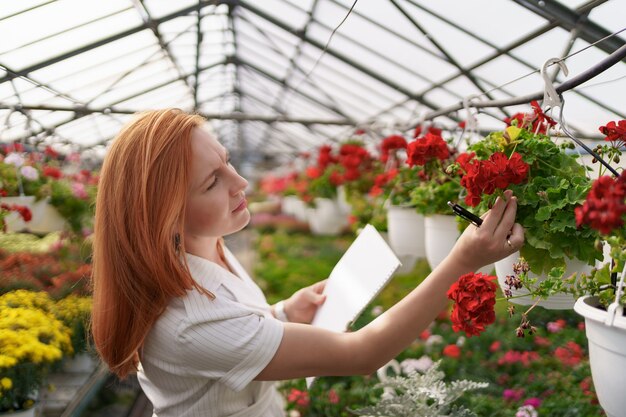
x,y
427,148
512,357
615,132
538,121
52,172
474,297
485,176
298,397
390,144
381,180
604,207
452,351
570,355
432,129
23,211
325,157
353,158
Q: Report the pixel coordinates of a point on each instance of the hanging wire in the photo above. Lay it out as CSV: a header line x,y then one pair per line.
x,y
581,143
555,62
319,58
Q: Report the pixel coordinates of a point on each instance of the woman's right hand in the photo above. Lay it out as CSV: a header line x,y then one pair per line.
x,y
498,237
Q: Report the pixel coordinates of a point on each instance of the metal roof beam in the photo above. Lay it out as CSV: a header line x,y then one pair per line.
x,y
154,27
101,42
338,55
445,53
556,12
282,83
211,116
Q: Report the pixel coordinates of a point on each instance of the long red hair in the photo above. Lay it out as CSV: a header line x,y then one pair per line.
x,y
139,212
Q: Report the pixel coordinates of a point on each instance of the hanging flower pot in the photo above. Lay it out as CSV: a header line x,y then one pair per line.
x,y
406,234
45,218
606,332
294,206
326,218
561,301
440,235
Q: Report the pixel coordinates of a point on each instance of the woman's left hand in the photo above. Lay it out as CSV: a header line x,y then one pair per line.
x,y
302,305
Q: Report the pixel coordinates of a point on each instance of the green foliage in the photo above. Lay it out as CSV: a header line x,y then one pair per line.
x,y
431,197
76,211
556,184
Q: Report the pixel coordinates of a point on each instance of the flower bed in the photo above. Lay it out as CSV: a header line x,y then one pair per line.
x,y
547,374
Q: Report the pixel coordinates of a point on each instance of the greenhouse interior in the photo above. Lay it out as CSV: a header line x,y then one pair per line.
x,y
391,208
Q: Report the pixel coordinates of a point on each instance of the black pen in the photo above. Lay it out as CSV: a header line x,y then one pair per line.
x,y
467,215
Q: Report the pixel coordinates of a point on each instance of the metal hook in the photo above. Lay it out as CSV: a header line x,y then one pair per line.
x,y
551,98
471,122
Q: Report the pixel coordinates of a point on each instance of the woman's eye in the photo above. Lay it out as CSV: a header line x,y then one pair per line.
x,y
212,184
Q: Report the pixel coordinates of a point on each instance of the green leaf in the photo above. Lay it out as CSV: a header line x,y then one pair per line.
x,y
543,213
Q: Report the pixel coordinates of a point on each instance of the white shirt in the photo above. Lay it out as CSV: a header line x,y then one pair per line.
x,y
201,356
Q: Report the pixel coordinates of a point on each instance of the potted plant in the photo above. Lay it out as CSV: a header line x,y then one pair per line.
x,y
405,226
602,295
31,340
549,184
75,312
430,196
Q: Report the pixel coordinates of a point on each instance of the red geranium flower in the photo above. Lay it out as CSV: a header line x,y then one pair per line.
x,y
452,351
604,206
615,132
390,144
52,172
474,297
427,148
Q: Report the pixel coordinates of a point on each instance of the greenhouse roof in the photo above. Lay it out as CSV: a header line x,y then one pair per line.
x,y
277,77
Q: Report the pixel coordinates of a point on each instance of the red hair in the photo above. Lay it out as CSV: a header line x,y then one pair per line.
x,y
140,209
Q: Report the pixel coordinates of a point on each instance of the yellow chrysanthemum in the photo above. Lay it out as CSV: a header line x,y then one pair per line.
x,y
6,383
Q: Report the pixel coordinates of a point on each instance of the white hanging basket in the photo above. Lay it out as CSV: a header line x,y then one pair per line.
x,y
293,206
606,332
46,218
504,267
406,235
326,218
440,235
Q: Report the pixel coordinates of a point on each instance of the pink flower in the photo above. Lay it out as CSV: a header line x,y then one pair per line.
x,y
78,190
298,397
556,326
513,394
333,397
533,401
526,411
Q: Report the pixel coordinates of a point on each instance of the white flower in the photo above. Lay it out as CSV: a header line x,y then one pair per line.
x,y
434,339
29,173
377,310
460,341
416,365
14,158
294,413
526,411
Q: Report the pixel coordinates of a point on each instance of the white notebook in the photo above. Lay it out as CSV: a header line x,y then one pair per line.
x,y
359,276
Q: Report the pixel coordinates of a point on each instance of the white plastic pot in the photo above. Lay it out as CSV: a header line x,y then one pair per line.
x,y
606,334
440,235
45,218
406,233
504,267
326,218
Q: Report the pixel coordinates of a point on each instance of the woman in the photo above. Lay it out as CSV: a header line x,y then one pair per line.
x,y
171,302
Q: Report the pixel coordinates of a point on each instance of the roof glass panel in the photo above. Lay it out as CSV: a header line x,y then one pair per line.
x,y
46,37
